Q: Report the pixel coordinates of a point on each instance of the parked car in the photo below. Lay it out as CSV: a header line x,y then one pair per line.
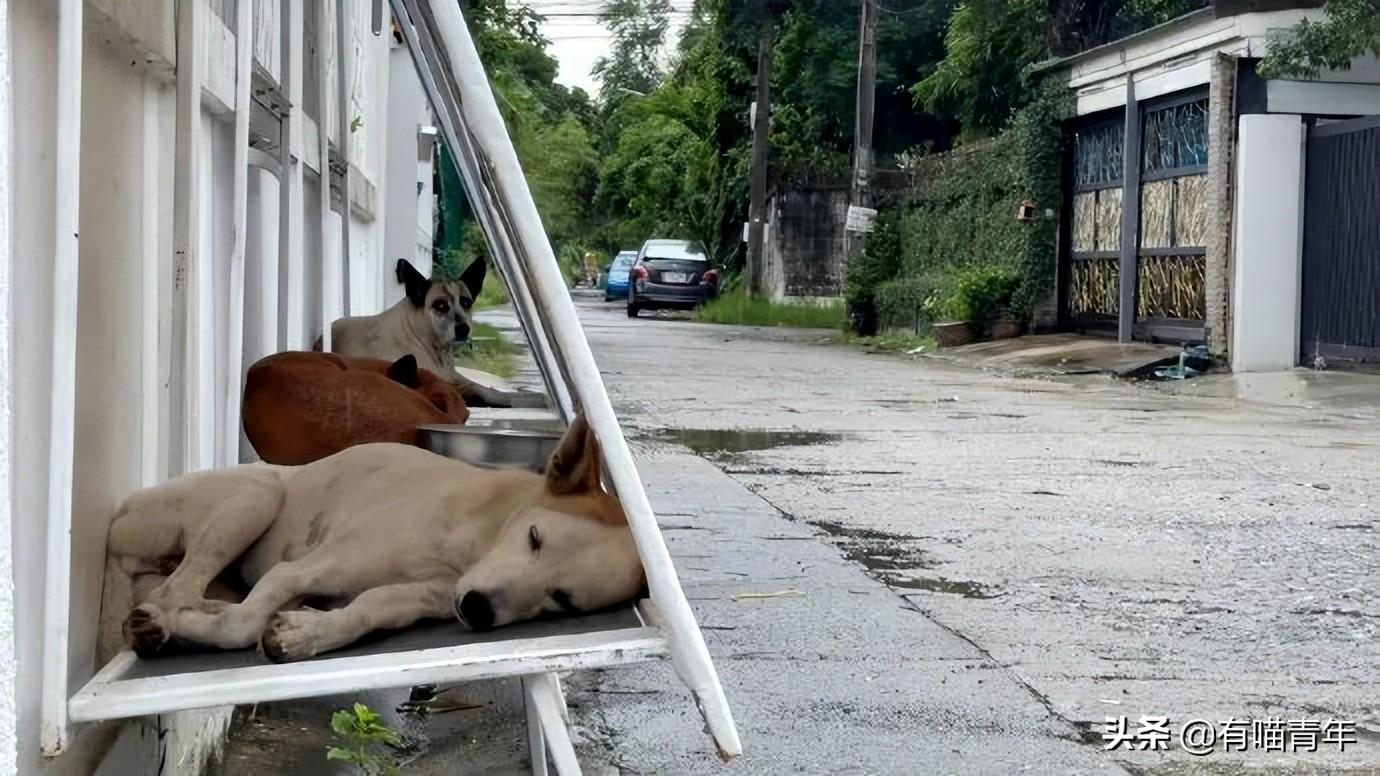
x,y
616,276
671,274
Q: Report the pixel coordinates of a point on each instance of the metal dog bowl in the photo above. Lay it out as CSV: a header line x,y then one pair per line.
x,y
505,448
534,420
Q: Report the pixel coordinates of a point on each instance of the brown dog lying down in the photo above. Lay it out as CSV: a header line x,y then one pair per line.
x,y
301,407
390,534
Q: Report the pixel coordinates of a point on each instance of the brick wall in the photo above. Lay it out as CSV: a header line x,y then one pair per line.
x,y
1221,144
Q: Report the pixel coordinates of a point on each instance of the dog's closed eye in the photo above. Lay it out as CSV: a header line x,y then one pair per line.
x,y
562,600
534,539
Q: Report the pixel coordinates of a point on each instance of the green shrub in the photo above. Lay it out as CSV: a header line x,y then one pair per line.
x,y
982,293
879,262
909,302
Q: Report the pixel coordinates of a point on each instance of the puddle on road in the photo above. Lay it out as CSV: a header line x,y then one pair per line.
x,y
950,586
714,442
892,559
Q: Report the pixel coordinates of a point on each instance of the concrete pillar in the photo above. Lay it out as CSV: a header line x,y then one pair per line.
x,y
1269,243
1221,135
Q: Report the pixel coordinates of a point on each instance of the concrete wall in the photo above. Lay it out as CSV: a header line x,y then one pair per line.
x,y
407,167
122,300
1269,243
805,242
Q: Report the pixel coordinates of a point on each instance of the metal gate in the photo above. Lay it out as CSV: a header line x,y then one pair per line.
x,y
1340,311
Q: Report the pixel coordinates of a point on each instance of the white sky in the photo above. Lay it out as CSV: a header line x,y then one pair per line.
x,y
578,39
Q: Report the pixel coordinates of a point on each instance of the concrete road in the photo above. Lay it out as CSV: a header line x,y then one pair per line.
x,y
994,566
977,571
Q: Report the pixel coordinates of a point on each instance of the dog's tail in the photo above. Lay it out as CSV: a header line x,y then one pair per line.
x,y
117,598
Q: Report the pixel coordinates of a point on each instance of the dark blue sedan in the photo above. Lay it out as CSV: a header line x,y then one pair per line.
x,y
616,285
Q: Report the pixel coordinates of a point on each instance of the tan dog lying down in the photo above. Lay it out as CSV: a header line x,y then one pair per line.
x,y
390,534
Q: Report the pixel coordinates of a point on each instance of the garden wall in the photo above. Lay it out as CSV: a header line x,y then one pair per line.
x,y
953,227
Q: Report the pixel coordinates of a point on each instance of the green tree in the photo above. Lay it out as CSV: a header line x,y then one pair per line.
x,y
989,45
1348,29
551,127
639,34
816,71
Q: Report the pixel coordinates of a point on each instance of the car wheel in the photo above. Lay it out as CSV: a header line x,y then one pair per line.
x,y
607,299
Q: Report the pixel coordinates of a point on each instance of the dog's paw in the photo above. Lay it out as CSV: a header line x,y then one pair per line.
x,y
145,631
290,636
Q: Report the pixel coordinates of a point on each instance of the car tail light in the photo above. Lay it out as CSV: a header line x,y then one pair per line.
x,y
711,276
639,272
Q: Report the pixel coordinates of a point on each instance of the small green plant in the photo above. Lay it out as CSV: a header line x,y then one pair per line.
x,y
363,733
896,342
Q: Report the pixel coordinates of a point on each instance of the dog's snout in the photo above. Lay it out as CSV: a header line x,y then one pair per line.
x,y
476,610
462,331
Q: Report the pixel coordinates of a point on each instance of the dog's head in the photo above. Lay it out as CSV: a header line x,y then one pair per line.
x,y
444,396
568,551
443,305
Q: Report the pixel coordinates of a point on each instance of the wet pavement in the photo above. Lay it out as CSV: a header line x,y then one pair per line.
x,y
972,571
1206,548
1041,354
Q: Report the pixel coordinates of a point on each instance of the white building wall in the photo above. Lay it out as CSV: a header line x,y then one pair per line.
x,y
408,166
8,666
1269,243
123,296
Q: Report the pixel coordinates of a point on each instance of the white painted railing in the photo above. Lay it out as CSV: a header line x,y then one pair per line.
x,y
62,425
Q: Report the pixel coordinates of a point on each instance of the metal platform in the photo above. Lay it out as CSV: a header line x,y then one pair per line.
x,y
440,652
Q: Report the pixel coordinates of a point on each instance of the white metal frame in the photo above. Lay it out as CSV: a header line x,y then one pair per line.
x,y
293,152
330,285
458,88
472,118
57,590
244,75
344,70
114,694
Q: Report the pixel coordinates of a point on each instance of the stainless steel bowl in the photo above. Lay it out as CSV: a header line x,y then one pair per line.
x,y
505,448
536,420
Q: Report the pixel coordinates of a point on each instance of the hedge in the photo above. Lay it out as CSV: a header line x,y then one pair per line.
x,y
957,219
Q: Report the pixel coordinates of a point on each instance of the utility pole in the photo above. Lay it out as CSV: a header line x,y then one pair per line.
x,y
757,179
860,192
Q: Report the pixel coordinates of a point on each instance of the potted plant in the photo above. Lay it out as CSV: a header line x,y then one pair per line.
x,y
1007,324
986,292
952,327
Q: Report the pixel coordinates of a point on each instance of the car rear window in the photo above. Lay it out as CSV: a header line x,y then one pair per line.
x,y
678,251
624,262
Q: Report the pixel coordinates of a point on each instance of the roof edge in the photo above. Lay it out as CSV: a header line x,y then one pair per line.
x,y
1188,19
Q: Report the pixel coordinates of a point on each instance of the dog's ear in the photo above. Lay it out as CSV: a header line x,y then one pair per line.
x,y
473,277
404,371
574,467
415,283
